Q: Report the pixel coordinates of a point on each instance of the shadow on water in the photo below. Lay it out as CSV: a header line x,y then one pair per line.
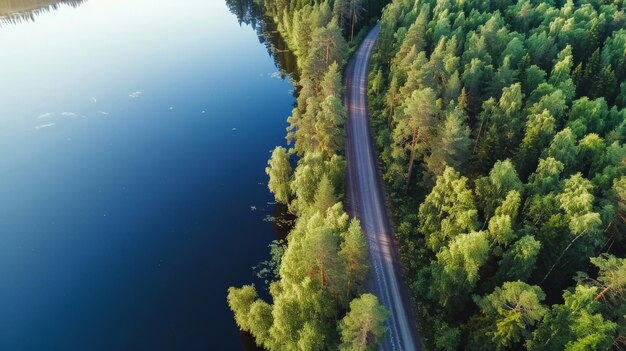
x,y
250,13
16,11
283,221
248,343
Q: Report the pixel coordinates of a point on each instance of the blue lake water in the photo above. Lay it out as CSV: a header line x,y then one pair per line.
x,y
133,140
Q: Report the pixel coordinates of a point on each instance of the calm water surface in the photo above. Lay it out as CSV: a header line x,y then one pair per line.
x,y
133,140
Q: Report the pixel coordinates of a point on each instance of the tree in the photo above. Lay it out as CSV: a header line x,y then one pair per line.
x,y
279,171
302,31
329,126
474,76
533,77
504,77
605,84
541,48
510,312
455,272
332,43
611,279
420,122
576,201
325,195
547,176
448,211
493,189
621,97
322,259
574,325
552,100
314,67
355,256
340,12
240,300
303,314
587,116
251,314
618,198
415,37
306,178
355,8
332,84
510,205
564,149
452,144
364,325
500,126
539,130
591,147
518,262
501,230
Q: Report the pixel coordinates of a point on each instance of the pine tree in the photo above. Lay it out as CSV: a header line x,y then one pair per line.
x,y
325,195
355,8
364,325
355,255
420,123
452,145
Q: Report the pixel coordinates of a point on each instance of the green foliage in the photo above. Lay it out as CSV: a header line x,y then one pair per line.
x,y
574,325
577,202
322,267
324,196
269,270
354,253
415,129
524,150
564,149
448,211
279,172
364,325
518,262
455,273
452,147
492,189
501,128
510,312
539,131
308,174
320,270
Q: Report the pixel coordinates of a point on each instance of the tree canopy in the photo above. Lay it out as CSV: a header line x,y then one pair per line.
x,y
501,128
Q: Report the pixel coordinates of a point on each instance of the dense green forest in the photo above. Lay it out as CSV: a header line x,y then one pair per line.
x,y
501,127
316,277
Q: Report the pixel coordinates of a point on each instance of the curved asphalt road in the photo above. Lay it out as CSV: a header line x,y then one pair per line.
x,y
366,201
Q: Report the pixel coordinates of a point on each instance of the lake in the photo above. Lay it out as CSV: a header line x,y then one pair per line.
x,y
133,141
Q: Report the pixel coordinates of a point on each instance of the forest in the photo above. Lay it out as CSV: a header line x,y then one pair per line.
x,y
500,126
315,279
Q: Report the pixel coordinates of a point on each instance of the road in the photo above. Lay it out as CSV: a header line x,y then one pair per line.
x,y
366,201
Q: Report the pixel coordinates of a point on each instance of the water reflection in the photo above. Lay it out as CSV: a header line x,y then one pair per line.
x,y
250,13
16,11
124,231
